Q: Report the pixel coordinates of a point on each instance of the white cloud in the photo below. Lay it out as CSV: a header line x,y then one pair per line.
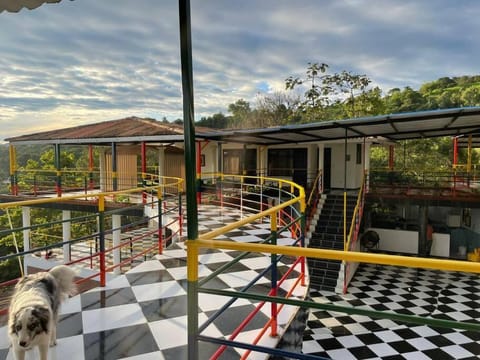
x,y
90,60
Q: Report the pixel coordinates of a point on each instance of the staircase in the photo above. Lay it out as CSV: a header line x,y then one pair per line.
x,y
328,234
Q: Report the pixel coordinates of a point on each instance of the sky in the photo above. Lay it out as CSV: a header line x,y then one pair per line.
x,y
86,61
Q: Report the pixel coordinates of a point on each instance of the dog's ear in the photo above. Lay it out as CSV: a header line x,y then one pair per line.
x,y
43,315
13,327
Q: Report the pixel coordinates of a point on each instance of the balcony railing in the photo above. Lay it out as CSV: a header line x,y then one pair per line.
x,y
458,184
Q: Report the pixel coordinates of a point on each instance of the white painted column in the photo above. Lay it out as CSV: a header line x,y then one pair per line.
x,y
26,222
66,234
116,231
161,161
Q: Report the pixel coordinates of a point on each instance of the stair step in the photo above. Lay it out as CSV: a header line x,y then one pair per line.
x,y
328,234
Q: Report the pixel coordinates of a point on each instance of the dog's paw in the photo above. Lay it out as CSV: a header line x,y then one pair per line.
x,y
53,343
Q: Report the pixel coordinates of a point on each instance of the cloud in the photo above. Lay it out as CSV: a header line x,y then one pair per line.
x,y
84,61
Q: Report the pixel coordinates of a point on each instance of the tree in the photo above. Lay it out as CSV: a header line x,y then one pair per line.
x,y
241,113
339,95
317,93
350,86
276,109
403,101
216,121
470,96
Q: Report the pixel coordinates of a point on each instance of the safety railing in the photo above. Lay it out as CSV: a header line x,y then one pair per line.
x,y
65,181
312,202
455,183
195,333
280,203
98,232
351,241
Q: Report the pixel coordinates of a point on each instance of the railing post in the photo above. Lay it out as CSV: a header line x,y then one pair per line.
x,y
67,234
180,211
116,240
160,224
241,195
101,237
218,187
13,170
274,311
303,229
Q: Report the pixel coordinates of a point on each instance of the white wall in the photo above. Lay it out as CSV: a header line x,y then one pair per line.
x,y
354,170
210,152
404,241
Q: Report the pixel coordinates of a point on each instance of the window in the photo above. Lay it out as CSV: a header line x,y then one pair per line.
x,y
359,153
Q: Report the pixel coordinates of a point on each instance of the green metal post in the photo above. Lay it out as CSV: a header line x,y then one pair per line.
x,y
273,259
190,166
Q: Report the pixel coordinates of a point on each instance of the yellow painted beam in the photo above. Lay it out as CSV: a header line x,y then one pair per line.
x,y
383,259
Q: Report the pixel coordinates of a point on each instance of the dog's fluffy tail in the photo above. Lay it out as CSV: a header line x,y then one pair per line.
x,y
65,279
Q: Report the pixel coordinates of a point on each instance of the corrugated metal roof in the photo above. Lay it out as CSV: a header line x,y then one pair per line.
x,y
417,125
393,127
131,129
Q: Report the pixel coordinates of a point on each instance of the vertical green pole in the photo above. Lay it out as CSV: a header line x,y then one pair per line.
x,y
303,229
190,167
273,259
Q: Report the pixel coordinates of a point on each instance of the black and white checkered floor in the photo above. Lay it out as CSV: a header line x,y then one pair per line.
x,y
427,293
141,315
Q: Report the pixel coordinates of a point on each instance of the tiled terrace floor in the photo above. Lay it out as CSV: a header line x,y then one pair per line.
x,y
142,315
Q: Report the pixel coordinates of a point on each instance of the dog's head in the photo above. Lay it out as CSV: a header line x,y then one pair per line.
x,y
28,323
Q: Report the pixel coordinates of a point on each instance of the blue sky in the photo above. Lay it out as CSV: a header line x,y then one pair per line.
x,y
86,61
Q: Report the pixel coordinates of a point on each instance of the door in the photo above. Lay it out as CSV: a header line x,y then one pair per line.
x,y
327,168
300,167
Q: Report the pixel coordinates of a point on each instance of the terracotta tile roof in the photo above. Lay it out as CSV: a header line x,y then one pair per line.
x,y
131,127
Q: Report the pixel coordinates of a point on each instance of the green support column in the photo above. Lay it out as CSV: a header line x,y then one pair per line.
x,y
190,166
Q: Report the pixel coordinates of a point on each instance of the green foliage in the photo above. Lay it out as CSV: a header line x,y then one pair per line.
x,y
216,121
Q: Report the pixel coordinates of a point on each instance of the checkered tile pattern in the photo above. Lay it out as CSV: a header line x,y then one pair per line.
x,y
428,293
143,313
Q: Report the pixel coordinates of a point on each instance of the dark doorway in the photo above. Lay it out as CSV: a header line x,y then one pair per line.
x,y
327,168
300,167
290,163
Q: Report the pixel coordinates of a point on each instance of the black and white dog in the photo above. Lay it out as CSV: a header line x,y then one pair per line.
x,y
33,312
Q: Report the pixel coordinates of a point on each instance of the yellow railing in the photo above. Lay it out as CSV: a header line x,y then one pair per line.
x,y
47,235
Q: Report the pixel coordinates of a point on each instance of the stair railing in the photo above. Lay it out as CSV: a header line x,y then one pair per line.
x,y
352,238
313,198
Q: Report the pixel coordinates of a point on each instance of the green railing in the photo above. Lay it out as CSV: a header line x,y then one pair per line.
x,y
88,230
209,241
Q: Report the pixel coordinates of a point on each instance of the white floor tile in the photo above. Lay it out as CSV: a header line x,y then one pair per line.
x,y
158,290
112,317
